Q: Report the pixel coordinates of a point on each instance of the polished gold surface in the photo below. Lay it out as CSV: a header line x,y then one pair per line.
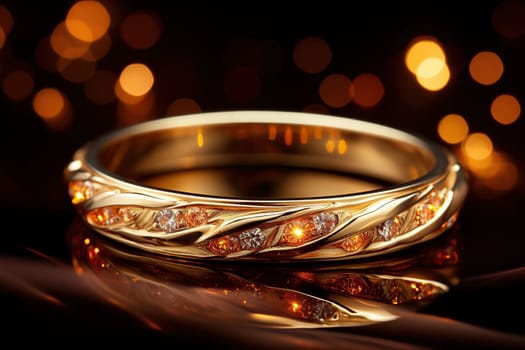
x,y
266,185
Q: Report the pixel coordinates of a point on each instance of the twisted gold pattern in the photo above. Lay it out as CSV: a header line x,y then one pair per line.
x,y
320,228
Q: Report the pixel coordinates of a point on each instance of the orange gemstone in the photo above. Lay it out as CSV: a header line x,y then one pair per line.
x,y
195,216
224,245
79,191
357,242
109,216
298,231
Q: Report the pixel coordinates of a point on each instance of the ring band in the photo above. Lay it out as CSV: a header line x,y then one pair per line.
x,y
266,185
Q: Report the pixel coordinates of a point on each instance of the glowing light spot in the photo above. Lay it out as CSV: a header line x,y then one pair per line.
x,y
48,103
368,90
303,135
18,85
505,109
87,20
295,306
66,45
53,107
486,67
200,138
312,54
87,241
453,128
98,49
330,146
422,50
99,89
342,146
136,79
242,84
430,67
507,19
141,29
183,106
288,136
297,232
477,146
336,90
435,82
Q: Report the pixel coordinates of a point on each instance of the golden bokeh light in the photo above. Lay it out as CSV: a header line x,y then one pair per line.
x,y
368,89
486,68
136,79
98,49
87,20
477,146
505,109
421,50
312,54
336,90
124,97
242,84
53,107
66,45
183,106
48,103
433,82
453,128
99,89
141,29
18,85
329,145
430,67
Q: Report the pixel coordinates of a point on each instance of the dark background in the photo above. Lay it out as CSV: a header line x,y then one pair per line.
x,y
191,59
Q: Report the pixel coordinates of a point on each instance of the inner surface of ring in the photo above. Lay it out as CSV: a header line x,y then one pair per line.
x,y
264,160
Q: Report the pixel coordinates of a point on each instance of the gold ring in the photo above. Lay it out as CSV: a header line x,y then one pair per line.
x,y
266,185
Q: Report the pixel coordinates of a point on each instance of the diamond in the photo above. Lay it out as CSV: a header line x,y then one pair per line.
x,y
169,220
388,229
251,239
325,223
